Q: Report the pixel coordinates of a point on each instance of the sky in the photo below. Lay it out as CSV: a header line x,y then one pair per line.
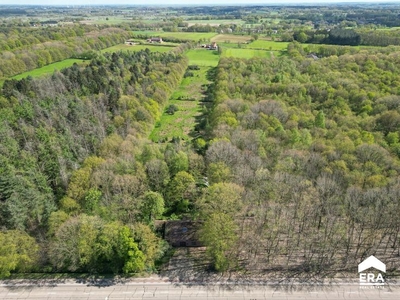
x,y
173,2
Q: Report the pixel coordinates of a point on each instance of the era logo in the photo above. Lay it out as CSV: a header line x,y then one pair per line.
x,y
369,278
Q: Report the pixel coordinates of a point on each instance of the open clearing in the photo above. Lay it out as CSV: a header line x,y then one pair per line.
x,y
110,20
245,53
124,47
231,38
193,36
187,98
203,57
214,22
49,69
268,45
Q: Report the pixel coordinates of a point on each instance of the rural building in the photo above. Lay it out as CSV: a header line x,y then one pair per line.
x,y
212,46
155,40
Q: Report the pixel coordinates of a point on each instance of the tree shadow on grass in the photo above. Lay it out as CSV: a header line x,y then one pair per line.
x,y
201,120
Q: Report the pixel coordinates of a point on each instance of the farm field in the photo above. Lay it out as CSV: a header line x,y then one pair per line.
x,y
195,36
268,45
110,20
245,53
203,57
231,38
49,69
215,22
124,47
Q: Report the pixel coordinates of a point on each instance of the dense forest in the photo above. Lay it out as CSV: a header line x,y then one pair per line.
x,y
293,164
75,167
304,163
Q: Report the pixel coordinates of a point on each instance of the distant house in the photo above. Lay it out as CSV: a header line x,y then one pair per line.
x,y
155,40
212,46
182,233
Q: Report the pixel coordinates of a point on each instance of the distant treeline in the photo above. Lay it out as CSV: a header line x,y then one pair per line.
x,y
351,37
26,50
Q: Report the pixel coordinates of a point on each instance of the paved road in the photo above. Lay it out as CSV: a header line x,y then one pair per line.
x,y
175,291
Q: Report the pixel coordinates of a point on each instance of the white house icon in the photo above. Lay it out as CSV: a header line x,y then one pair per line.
x,y
372,262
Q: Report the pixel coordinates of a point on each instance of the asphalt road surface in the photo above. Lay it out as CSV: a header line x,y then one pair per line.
x,y
175,291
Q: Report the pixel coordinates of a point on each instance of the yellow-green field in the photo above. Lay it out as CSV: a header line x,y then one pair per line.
x,y
268,45
231,38
124,47
203,57
186,98
194,36
245,53
214,22
49,69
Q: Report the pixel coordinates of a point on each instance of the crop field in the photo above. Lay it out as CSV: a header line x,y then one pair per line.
x,y
231,38
195,36
268,45
49,69
203,57
110,20
245,53
215,22
124,47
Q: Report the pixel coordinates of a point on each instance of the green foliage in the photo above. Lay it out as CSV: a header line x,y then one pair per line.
x,y
178,162
134,259
18,252
320,120
152,206
180,188
218,172
219,235
171,109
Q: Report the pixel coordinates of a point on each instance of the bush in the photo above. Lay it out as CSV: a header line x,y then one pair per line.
x,y
172,109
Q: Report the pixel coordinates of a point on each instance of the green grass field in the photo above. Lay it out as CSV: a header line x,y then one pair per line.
x,y
231,38
268,45
49,69
187,98
214,22
112,20
246,53
203,57
195,36
123,47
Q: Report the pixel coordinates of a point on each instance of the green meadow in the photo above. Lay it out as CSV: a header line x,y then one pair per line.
x,y
203,57
268,45
214,22
49,69
194,36
245,53
124,47
187,98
